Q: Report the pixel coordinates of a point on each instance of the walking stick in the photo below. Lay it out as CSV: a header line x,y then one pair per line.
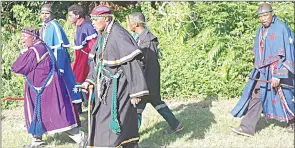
x,y
12,98
284,85
89,110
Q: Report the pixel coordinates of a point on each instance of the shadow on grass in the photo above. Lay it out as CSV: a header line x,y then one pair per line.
x,y
63,138
263,123
195,117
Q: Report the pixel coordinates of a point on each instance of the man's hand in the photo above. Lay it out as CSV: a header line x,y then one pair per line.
x,y
275,82
135,101
85,85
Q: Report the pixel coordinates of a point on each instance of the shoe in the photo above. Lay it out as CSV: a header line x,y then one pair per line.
x,y
34,146
290,128
239,131
176,130
83,143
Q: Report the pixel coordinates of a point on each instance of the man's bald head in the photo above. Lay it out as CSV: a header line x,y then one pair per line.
x,y
136,20
137,17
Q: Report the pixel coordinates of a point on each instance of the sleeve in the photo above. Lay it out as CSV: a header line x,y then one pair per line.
x,y
91,75
135,78
53,38
154,47
25,63
286,50
61,56
90,44
256,42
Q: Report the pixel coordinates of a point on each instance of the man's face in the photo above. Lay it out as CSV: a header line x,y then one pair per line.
x,y
132,25
45,15
265,19
72,17
27,40
99,23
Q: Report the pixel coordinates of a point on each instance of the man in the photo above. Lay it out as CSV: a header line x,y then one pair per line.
x,y
84,39
148,43
47,106
116,72
271,86
54,36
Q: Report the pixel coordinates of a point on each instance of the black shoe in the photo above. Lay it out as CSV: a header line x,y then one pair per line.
x,y
239,131
176,130
290,128
83,143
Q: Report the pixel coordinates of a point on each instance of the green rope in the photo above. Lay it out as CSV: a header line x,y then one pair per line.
x,y
114,123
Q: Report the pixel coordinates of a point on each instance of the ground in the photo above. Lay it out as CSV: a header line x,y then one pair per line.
x,y
206,124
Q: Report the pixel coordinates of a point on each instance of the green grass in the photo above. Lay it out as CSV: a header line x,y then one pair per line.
x,y
207,124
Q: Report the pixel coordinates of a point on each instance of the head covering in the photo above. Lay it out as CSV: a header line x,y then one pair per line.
x,y
31,31
101,11
264,8
47,8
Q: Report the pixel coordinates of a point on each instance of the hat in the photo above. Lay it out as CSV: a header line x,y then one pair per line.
x,y
31,31
101,11
47,8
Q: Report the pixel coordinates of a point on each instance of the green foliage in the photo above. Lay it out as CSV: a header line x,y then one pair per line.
x,y
206,46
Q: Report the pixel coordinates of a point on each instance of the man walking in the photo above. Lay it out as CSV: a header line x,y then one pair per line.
x,y
148,43
85,38
117,75
271,86
54,36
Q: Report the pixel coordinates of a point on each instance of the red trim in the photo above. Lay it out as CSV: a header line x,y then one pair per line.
x,y
79,22
279,118
272,36
271,56
277,73
290,62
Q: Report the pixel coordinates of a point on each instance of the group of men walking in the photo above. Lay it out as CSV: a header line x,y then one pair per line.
x,y
123,69
125,73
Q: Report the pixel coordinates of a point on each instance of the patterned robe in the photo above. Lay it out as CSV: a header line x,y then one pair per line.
x,y
274,57
54,36
57,113
121,80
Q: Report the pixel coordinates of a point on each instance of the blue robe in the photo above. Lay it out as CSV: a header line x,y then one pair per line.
x,y
274,57
54,36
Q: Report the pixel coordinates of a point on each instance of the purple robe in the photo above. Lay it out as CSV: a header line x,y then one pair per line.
x,y
57,113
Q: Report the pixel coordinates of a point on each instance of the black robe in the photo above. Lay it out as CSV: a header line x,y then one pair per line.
x,y
121,54
148,43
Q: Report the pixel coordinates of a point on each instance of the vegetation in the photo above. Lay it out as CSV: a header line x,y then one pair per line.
x,y
205,46
206,124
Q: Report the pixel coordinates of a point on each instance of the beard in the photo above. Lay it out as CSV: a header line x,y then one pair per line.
x,y
48,19
266,25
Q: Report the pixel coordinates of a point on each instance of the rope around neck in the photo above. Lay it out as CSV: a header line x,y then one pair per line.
x,y
37,127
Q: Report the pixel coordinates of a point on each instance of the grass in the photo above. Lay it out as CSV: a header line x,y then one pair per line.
x,y
207,123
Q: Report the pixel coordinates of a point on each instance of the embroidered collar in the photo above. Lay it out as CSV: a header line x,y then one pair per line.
x,y
80,22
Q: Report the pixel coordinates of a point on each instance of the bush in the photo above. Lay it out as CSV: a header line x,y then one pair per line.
x,y
206,46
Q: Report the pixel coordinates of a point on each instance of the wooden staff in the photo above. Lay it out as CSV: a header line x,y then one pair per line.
x,y
90,90
284,85
89,110
12,98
